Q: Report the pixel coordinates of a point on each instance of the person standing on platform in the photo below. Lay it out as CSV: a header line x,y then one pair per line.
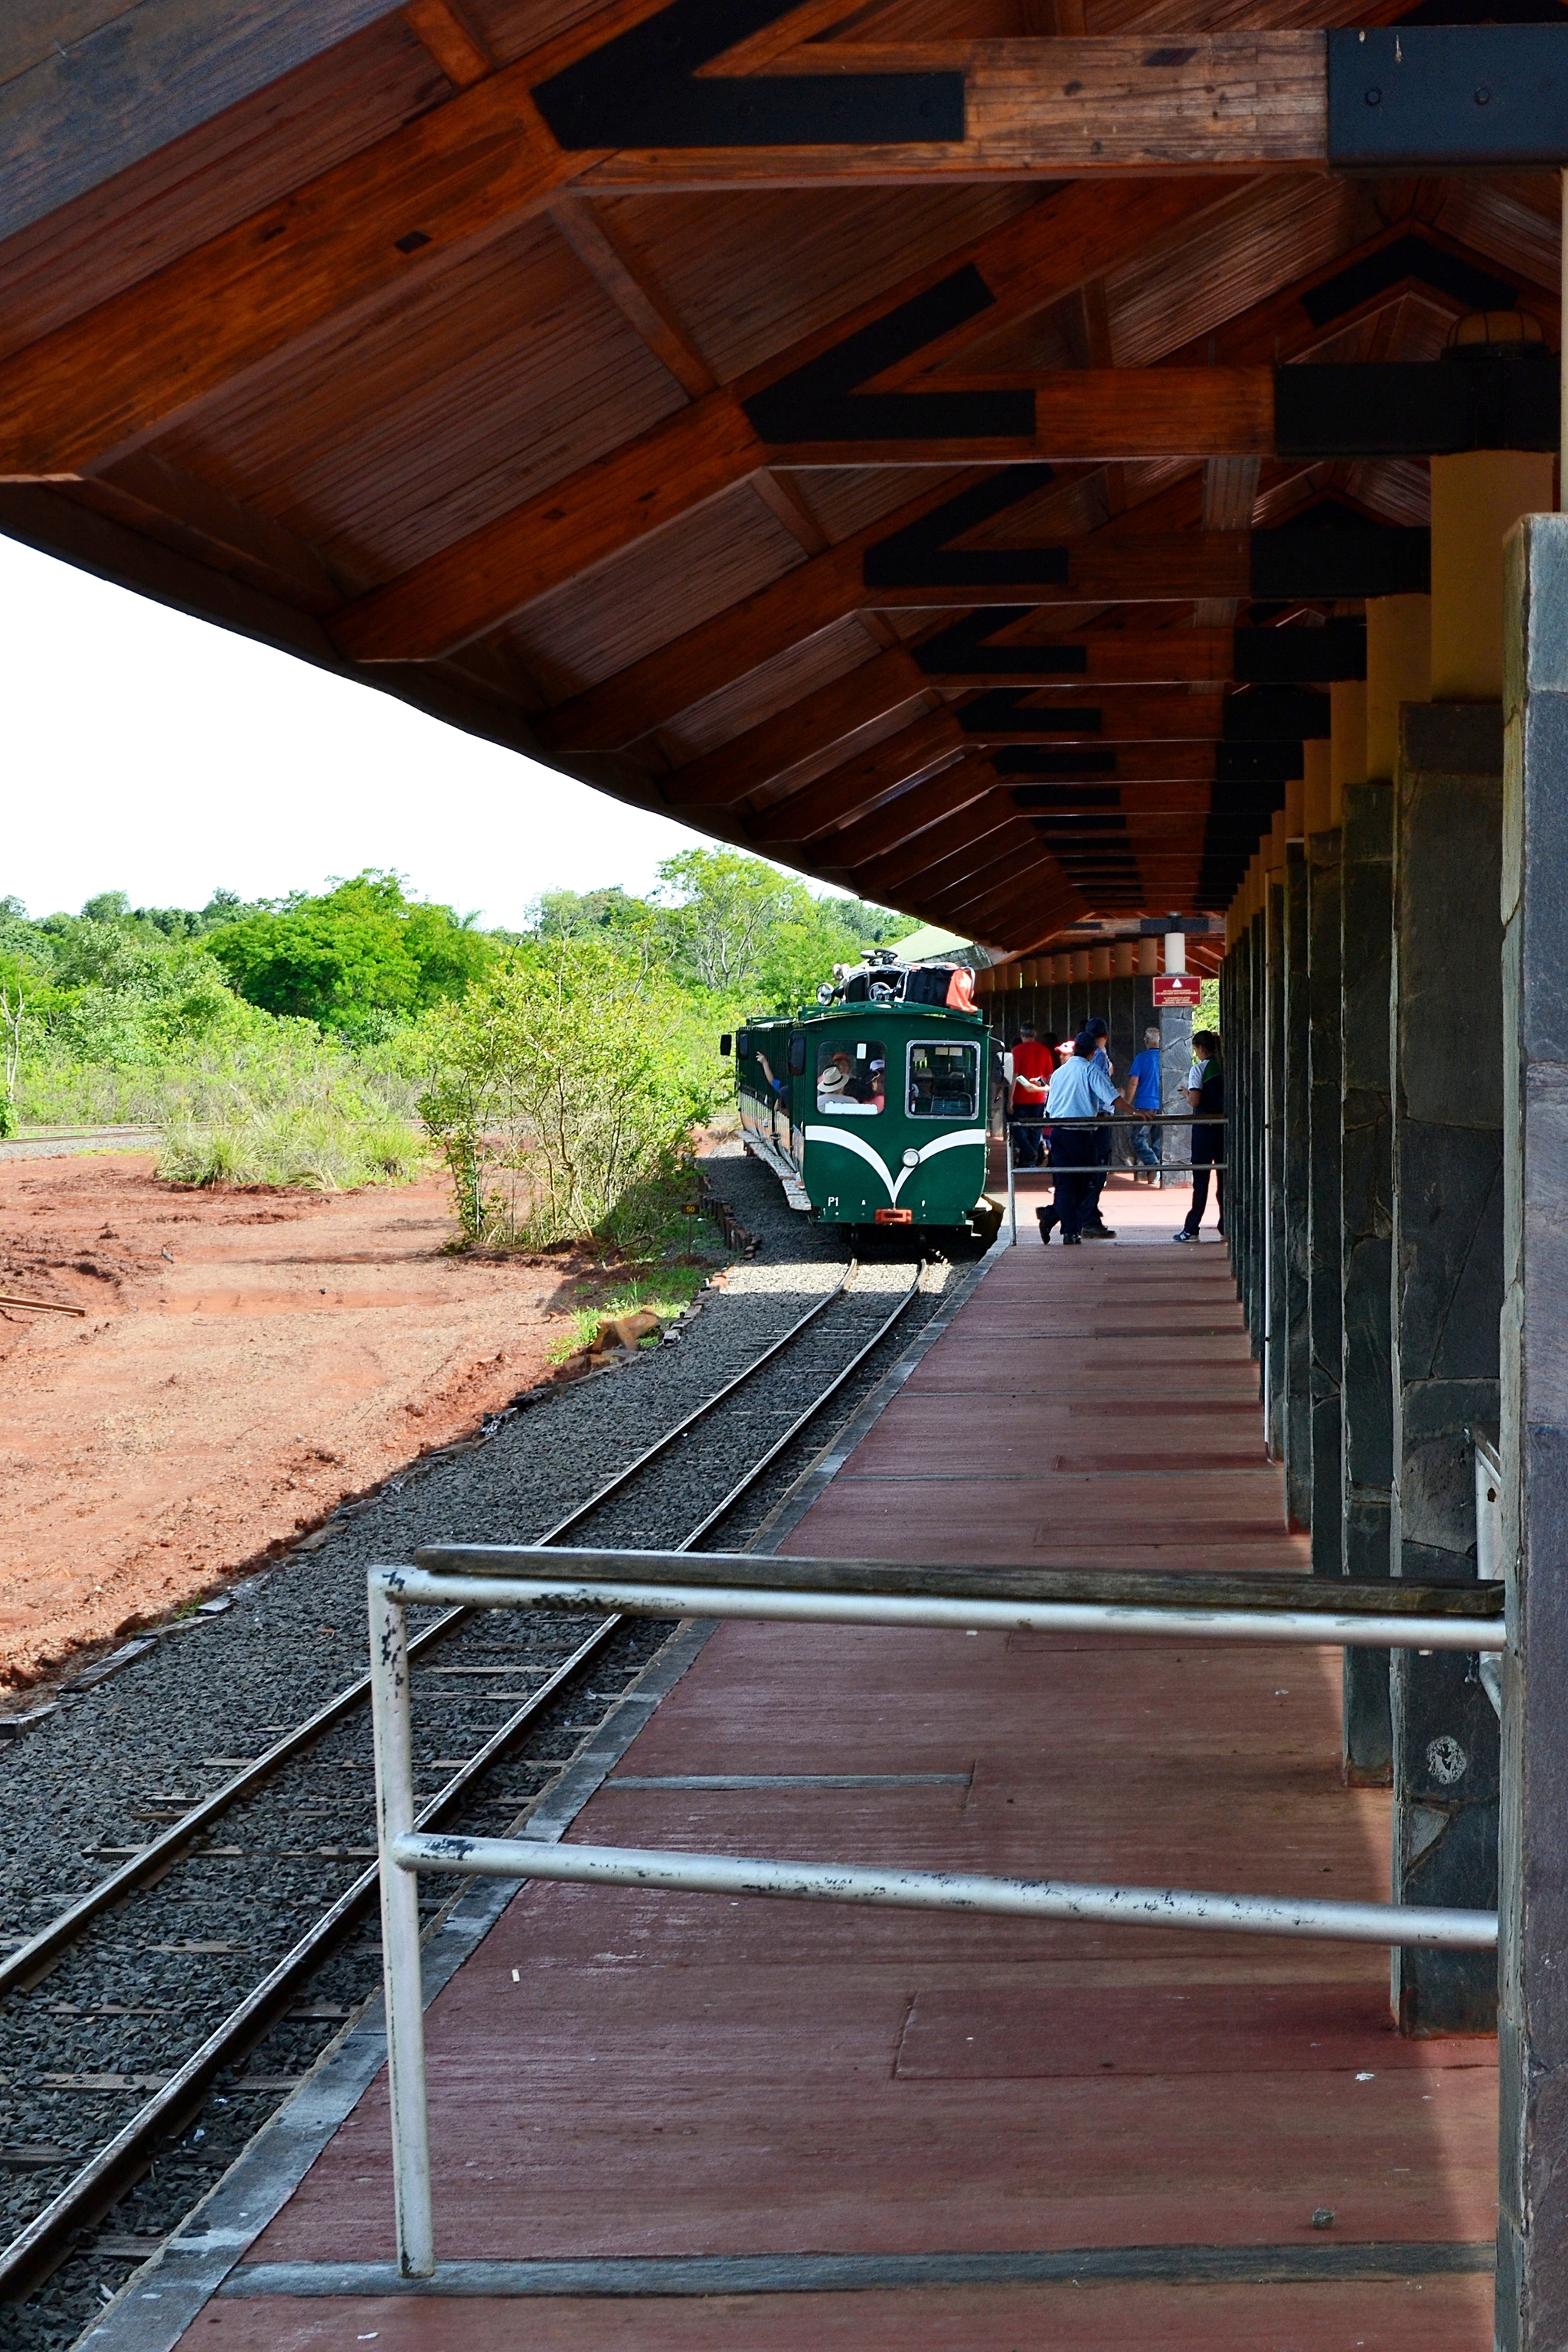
x,y
1142,1094
1095,1228
1206,1091
1078,1090
1028,1069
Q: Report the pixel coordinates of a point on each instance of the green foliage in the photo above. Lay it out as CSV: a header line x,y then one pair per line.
x,y
557,1100
356,960
592,914
322,1148
287,1042
735,925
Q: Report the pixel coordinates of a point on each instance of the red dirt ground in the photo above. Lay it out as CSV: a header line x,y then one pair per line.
x,y
247,1360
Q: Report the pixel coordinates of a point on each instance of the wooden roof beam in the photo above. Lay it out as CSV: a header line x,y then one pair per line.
x,y
452,40
809,728
859,783
921,802
900,867
971,906
1042,898
990,858
1107,658
1128,716
704,660
621,272
1056,108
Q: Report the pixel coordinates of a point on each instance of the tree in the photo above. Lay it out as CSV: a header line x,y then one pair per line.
x,y
737,925
721,907
557,1101
353,959
15,1005
611,913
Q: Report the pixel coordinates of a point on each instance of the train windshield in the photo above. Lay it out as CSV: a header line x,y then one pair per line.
x,y
943,1081
852,1077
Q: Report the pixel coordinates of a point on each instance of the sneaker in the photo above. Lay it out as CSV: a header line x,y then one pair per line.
x,y
1071,1241
1098,1232
1184,1236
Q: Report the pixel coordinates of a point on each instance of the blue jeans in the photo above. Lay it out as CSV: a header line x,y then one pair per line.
x,y
1145,1141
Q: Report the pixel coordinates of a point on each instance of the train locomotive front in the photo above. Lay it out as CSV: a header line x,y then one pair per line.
x,y
872,1112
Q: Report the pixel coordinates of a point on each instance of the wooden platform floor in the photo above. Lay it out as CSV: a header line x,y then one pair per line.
x,y
617,2073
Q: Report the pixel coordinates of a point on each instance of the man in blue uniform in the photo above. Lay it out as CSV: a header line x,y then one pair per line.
x,y
1078,1090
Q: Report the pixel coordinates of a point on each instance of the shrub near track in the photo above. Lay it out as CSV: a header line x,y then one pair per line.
x,y
560,1099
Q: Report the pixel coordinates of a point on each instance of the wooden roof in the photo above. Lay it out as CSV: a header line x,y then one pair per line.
x,y
885,503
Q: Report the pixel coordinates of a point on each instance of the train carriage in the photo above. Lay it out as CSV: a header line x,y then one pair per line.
x,y
872,1112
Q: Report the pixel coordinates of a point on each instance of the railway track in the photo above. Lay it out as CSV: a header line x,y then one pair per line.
x,y
700,1472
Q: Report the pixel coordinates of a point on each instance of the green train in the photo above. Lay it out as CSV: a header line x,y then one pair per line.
x,y
871,1109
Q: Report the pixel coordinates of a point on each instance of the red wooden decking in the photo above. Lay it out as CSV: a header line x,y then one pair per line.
x,y
620,2073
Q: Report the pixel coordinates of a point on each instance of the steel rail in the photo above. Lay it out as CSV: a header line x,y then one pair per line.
x,y
1316,1628
662,1444
42,2243
63,1930
957,1890
38,2247
22,1964
722,1509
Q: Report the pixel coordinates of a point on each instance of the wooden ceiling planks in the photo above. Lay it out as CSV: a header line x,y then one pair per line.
x,y
321,115
603,625
490,380
717,256
508,430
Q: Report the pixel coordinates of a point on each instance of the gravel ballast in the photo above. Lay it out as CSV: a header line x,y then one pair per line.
x,y
121,2008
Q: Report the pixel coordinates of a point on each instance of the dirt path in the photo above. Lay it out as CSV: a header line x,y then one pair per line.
x,y
246,1360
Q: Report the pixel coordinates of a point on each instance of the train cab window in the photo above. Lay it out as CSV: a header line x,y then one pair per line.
x,y
851,1077
943,1081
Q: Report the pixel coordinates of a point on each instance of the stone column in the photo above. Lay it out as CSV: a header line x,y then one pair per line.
x,y
1273,1173
1325,1317
1295,1179
1398,670
1255,1141
1533,2022
1448,1216
1446,1298
1237,1030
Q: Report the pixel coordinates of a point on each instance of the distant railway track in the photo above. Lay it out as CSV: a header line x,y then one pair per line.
x,y
697,1473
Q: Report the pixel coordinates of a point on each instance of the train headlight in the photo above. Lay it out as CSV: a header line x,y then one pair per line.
x,y
911,1159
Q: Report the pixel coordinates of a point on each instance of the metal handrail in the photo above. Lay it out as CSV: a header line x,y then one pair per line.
x,y
1113,1118
799,1591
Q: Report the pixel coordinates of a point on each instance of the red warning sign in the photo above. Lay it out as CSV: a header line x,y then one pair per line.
x,y
1178,988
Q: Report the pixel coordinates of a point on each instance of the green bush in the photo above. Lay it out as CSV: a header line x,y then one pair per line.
x,y
561,1100
318,1149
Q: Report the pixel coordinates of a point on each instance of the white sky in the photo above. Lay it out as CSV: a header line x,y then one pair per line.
x,y
146,752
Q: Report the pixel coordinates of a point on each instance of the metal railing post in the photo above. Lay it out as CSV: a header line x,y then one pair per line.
x,y
392,1722
1012,1187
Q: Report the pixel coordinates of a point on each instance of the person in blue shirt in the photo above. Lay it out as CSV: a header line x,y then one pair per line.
x,y
1079,1089
1094,1228
1143,1095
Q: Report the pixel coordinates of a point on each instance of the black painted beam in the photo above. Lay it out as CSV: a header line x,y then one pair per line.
x,y
641,90
1448,98
1308,656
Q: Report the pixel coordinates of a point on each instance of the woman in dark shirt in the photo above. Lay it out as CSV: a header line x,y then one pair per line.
x,y
1206,1091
